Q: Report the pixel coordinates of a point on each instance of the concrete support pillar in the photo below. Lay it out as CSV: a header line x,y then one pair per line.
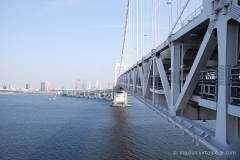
x,y
120,99
175,70
84,94
226,125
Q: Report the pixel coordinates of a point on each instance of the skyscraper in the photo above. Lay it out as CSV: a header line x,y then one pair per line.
x,y
78,84
45,86
110,85
97,84
85,85
7,86
10,86
27,86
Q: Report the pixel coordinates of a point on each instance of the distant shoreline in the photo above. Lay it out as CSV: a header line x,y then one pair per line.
x,y
41,92
28,92
7,92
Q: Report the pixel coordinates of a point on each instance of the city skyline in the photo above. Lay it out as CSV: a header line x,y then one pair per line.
x,y
60,41
79,86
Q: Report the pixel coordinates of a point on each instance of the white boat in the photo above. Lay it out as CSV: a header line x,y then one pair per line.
x,y
54,98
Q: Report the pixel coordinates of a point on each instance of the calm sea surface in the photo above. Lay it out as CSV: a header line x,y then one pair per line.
x,y
79,128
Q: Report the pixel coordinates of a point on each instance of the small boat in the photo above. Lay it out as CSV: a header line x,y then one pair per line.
x,y
54,98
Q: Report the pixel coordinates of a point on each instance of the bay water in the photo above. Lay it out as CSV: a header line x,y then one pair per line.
x,y
31,127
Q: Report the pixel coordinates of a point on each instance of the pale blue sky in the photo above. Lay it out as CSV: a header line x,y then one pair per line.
x,y
60,41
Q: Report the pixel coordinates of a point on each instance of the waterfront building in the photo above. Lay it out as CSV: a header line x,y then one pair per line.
x,y
110,85
85,85
97,84
45,86
7,86
4,86
27,86
65,88
79,84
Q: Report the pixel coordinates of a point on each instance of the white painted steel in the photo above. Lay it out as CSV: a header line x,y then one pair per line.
x,y
206,44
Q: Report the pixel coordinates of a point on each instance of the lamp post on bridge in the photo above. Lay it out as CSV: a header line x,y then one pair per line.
x,y
158,5
139,36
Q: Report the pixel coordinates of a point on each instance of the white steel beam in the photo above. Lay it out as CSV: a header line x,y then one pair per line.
x,y
140,72
135,78
153,74
164,79
208,44
148,75
175,70
226,125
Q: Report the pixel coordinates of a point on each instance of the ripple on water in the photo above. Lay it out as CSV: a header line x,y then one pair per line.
x,y
33,128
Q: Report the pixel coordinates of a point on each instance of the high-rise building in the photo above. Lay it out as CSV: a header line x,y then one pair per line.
x,y
85,85
27,86
45,86
79,84
97,84
7,86
10,86
110,85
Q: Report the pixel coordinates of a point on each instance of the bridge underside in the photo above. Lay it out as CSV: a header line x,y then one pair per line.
x,y
195,75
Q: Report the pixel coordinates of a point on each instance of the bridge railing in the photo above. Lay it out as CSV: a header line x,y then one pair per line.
x,y
192,16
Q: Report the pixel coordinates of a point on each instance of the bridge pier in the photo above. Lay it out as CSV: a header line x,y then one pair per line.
x,y
120,99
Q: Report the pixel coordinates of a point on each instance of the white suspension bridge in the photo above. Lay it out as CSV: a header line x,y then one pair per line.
x,y
181,58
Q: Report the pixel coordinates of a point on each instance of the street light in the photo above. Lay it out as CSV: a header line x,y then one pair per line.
x,y
142,45
155,44
168,2
158,32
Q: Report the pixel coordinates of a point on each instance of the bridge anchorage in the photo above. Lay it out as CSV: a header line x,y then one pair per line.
x,y
193,75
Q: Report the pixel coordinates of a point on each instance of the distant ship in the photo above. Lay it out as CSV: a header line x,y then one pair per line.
x,y
54,98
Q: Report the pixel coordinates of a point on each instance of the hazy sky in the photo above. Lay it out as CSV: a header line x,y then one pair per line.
x,y
60,41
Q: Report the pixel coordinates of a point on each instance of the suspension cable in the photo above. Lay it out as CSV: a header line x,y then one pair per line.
x,y
124,37
180,16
